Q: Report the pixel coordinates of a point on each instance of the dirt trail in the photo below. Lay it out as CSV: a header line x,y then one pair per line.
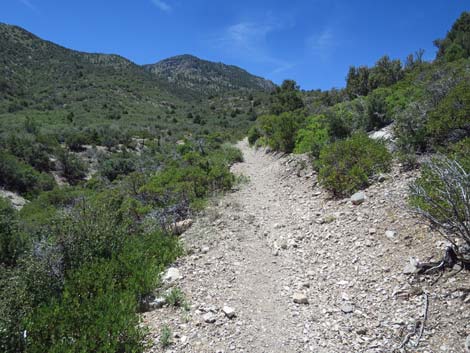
x,y
280,235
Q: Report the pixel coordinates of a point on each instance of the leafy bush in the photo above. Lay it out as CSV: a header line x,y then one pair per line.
x,y
280,130
450,120
377,110
12,241
313,137
115,166
93,315
84,281
286,98
18,176
347,165
253,135
346,118
460,152
456,44
31,151
73,168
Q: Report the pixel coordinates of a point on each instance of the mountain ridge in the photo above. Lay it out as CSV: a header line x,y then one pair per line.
x,y
189,71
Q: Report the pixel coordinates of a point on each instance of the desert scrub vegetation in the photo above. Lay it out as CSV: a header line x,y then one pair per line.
x,y
346,166
442,196
77,261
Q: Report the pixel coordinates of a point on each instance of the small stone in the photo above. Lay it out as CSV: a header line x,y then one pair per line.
x,y
411,267
358,198
391,234
171,275
229,312
205,249
467,344
361,331
208,318
347,308
372,231
300,298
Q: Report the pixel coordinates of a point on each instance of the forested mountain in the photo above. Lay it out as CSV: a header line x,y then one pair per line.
x,y
201,76
67,87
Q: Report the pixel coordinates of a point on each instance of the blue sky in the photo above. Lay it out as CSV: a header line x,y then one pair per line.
x,y
311,41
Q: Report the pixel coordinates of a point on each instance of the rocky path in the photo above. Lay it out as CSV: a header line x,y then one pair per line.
x,y
304,273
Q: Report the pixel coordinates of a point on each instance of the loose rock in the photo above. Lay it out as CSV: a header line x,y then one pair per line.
x,y
358,198
228,311
300,298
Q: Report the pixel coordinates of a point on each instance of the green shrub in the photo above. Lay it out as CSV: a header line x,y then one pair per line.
x,y
165,336
108,266
253,135
116,166
175,297
92,315
347,165
18,176
460,152
450,121
346,118
377,109
31,151
12,242
14,305
280,130
313,137
73,168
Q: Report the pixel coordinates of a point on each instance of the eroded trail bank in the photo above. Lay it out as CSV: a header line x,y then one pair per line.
x,y
279,236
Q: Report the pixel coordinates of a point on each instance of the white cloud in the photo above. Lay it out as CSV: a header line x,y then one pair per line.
x,y
249,40
162,5
322,43
29,4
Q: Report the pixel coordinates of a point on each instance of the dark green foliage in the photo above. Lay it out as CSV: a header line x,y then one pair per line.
x,y
19,176
12,242
345,118
73,169
425,105
357,81
460,152
286,98
378,114
253,135
347,165
92,316
117,165
34,150
363,80
456,45
280,130
450,121
385,73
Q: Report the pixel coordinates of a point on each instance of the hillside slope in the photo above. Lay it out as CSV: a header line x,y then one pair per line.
x,y
62,87
202,76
